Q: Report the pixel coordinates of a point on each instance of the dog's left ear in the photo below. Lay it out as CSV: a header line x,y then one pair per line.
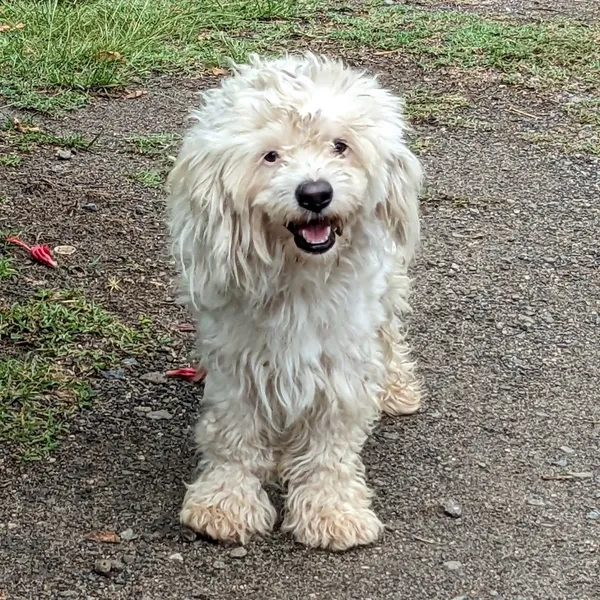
x,y
400,209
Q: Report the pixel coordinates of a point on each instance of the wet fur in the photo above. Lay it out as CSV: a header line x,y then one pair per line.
x,y
302,351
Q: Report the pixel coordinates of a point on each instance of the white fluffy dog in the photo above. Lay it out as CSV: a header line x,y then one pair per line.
x,y
294,215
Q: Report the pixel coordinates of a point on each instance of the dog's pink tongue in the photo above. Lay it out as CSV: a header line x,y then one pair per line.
x,y
316,233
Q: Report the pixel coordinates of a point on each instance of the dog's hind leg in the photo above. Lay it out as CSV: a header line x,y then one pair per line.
x,y
402,392
227,501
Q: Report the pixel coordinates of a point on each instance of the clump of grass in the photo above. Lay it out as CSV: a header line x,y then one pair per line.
x,y
152,145
586,111
55,342
27,135
425,106
566,143
151,179
6,267
12,159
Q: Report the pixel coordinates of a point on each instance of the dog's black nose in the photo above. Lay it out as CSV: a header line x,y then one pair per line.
x,y
314,195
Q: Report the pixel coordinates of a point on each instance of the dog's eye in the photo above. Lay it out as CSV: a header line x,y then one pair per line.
x,y
340,147
271,156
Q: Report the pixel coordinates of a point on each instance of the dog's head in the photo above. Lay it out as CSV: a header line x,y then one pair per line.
x,y
296,154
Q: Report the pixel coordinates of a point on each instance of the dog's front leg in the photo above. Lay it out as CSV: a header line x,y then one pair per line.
x,y
328,502
227,501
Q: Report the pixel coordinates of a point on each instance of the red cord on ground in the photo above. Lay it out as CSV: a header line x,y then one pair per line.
x,y
39,253
188,373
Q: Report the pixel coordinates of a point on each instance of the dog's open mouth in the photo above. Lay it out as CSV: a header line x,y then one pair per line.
x,y
317,236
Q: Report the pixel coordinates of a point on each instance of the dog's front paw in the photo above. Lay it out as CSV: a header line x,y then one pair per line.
x,y
232,514
334,527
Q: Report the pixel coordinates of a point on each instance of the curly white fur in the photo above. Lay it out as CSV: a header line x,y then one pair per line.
x,y
302,350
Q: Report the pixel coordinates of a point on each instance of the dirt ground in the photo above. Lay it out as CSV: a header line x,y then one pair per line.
x,y
506,330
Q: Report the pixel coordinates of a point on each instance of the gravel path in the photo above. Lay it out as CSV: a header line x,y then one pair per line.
x,y
493,491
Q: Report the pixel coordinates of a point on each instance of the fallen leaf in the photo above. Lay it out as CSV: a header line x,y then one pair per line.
x,y
23,128
218,71
5,27
109,55
103,536
134,94
19,26
65,250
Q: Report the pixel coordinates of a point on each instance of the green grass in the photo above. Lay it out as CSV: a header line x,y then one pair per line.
x,y
6,267
586,111
54,342
68,49
152,145
425,106
548,53
30,136
565,141
150,179
12,159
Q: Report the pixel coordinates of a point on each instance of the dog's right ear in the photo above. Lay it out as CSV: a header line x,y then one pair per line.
x,y
204,226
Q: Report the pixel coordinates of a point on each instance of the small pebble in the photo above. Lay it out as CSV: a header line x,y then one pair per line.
x,y
567,449
142,409
114,374
593,515
452,509
453,565
155,377
561,462
159,415
536,502
177,556
131,362
238,552
102,566
129,559
187,535
390,435
219,564
90,207
64,154
128,535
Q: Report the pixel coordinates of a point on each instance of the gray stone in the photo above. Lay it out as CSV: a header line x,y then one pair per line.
x,y
128,535
64,154
102,566
238,552
536,502
114,374
452,509
187,535
453,565
219,564
154,377
159,415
